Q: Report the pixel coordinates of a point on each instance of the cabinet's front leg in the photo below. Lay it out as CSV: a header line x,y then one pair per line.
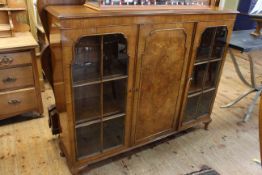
x,y
207,124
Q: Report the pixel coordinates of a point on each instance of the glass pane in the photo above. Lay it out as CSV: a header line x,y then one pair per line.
x,y
212,75
220,42
114,97
88,139
205,103
115,56
191,108
87,102
86,66
206,44
113,133
197,78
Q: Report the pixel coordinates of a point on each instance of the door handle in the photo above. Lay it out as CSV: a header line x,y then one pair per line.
x,y
189,80
9,80
14,102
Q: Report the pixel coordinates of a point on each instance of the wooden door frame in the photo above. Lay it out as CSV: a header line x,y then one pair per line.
x,y
200,29
69,39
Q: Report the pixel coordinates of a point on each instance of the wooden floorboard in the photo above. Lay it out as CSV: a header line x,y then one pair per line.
x,y
229,146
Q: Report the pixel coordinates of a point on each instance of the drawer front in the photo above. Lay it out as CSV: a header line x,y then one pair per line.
x,y
16,77
13,59
17,101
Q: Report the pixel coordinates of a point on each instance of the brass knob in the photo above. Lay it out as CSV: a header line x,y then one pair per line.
x,y
9,80
6,60
14,102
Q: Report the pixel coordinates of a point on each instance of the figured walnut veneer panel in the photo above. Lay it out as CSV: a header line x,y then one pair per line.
x,y
162,65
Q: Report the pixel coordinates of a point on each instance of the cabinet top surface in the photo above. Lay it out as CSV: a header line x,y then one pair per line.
x,y
23,40
78,11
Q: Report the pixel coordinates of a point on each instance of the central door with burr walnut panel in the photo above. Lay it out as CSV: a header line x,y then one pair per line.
x,y
163,52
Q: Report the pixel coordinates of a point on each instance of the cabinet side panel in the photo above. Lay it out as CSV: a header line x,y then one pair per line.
x,y
57,81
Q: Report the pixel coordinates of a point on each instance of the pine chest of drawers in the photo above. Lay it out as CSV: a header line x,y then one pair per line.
x,y
19,82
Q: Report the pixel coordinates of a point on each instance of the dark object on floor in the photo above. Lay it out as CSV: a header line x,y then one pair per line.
x,y
53,120
205,170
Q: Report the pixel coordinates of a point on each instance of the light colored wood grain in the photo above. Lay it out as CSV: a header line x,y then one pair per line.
x,y
5,27
40,72
15,59
228,146
20,40
2,2
16,3
16,102
14,78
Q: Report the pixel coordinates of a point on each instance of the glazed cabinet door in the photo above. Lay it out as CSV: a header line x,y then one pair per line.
x,y
162,56
101,76
205,69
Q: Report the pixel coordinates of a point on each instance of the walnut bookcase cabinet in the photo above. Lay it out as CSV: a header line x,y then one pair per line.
x,y
124,79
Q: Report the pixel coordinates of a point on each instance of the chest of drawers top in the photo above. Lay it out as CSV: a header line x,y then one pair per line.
x,y
23,40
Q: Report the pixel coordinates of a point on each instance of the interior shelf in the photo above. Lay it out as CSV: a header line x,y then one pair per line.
x,y
99,120
208,61
200,92
106,79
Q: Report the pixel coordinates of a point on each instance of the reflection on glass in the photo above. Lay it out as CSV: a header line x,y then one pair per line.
x,y
212,75
220,42
205,103
115,56
86,65
114,97
113,133
206,44
88,140
87,103
197,78
191,108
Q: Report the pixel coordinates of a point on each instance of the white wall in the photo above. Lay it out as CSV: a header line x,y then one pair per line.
x,y
229,4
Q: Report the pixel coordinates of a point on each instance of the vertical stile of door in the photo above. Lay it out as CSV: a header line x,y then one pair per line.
x,y
102,92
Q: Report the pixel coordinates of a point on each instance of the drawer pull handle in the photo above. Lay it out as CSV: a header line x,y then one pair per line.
x,y
14,102
9,80
6,61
